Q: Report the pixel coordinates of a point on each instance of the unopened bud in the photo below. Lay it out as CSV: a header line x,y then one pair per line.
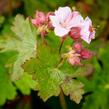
x,y
75,33
77,47
86,54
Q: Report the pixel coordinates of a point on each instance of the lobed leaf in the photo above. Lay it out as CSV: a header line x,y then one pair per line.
x,y
26,83
50,85
74,88
24,44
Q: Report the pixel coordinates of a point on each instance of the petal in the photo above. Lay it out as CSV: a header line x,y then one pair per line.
x,y
76,21
62,13
85,36
54,20
59,31
89,23
75,13
88,20
85,33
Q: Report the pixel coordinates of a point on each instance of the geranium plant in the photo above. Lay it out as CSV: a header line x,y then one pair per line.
x,y
49,54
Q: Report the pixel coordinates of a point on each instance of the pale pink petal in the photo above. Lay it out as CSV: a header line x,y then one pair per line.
x,y
88,20
75,13
59,31
85,33
54,20
85,36
62,13
92,32
76,21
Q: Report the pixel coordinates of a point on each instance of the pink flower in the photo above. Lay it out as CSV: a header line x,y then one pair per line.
x,y
64,19
87,31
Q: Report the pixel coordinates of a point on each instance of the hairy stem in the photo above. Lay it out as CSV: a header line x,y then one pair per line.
x,y
62,41
62,100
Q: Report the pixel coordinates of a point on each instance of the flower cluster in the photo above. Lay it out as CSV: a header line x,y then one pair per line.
x,y
42,22
78,53
66,22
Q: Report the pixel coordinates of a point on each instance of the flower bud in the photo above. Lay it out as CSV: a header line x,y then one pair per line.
x,y
77,47
86,54
75,33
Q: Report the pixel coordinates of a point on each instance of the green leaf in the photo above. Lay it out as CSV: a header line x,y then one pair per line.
x,y
7,89
24,44
50,83
74,88
49,77
26,83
